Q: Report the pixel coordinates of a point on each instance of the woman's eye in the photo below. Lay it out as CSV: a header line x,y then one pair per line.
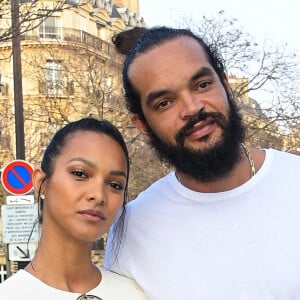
x,y
79,173
117,186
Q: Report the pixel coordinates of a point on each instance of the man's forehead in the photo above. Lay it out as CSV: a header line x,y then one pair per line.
x,y
183,41
168,50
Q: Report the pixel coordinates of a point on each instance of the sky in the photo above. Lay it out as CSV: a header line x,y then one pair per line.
x,y
275,20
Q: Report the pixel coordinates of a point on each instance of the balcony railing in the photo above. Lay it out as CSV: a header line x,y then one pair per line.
x,y
57,88
71,35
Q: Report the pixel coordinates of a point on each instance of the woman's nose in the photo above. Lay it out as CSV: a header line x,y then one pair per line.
x,y
97,194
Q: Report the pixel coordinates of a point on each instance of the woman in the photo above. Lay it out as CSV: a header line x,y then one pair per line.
x,y
81,187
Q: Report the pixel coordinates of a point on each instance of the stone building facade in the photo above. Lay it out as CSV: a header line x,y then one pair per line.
x,y
70,70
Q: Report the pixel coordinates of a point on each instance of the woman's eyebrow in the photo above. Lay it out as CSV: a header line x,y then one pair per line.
x,y
83,160
92,165
118,173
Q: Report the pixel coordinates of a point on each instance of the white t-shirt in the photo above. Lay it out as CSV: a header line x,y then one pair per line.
x,y
24,286
242,244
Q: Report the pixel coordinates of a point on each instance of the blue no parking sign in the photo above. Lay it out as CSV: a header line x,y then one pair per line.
x,y
16,177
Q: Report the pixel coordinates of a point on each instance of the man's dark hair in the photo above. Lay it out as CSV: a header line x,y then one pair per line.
x,y
126,39
151,38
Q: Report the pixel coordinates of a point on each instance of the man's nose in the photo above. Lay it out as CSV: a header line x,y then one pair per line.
x,y
191,104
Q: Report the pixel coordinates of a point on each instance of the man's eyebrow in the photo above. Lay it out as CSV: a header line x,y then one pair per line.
x,y
154,95
204,71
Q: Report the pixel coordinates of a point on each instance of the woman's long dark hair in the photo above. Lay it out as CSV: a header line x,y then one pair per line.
x,y
55,148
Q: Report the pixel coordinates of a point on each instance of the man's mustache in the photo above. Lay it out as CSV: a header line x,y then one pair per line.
x,y
200,116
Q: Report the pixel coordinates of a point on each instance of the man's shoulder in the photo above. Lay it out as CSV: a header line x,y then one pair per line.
x,y
283,155
152,191
280,162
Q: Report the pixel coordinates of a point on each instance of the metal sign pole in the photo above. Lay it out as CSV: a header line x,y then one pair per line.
x,y
19,210
18,89
8,266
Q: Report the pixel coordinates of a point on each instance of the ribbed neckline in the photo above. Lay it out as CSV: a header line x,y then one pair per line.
x,y
222,196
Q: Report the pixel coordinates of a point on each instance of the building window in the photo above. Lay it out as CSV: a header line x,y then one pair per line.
x,y
54,81
4,139
50,28
3,273
83,23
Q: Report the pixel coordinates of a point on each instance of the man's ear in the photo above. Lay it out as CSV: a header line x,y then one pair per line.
x,y
227,85
139,124
37,180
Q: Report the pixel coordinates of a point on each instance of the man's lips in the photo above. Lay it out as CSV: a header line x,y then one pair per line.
x,y
201,129
92,215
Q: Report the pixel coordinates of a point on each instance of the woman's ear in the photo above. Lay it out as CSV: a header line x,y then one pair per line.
x,y
37,179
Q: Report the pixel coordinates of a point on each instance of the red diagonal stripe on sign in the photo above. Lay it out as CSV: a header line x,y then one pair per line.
x,y
18,177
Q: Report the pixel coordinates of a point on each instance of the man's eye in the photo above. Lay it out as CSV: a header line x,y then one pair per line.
x,y
79,173
162,104
204,84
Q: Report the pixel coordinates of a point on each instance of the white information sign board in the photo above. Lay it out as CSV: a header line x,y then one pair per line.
x,y
20,199
17,223
21,252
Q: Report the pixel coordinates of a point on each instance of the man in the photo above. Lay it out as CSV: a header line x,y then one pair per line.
x,y
225,224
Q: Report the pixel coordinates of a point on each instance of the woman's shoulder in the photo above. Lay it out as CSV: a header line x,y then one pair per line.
x,y
13,284
118,286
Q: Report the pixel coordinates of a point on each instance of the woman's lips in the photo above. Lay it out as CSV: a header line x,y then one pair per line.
x,y
92,215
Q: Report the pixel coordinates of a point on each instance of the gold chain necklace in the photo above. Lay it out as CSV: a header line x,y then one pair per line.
x,y
250,159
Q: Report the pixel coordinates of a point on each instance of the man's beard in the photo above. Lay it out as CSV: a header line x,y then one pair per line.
x,y
212,162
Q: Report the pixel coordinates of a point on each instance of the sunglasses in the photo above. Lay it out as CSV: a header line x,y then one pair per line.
x,y
88,297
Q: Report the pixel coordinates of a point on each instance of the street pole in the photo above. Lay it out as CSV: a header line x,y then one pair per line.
x,y
18,94
18,89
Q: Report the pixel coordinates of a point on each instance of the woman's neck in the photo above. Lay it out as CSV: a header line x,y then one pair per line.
x,y
66,266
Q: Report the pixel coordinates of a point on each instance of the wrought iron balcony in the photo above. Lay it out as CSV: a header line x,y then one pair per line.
x,y
70,35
